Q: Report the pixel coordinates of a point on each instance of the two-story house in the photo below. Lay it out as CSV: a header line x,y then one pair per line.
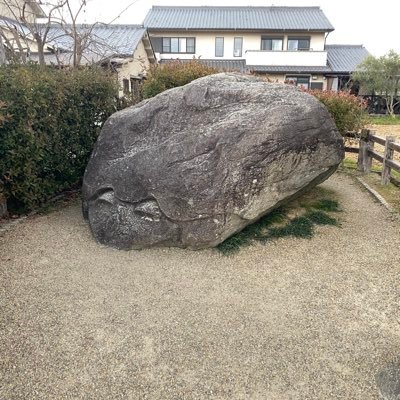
x,y
286,43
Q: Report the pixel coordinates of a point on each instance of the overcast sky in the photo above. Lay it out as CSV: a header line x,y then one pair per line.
x,y
374,24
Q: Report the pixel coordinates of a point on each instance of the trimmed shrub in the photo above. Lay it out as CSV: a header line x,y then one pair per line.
x,y
348,111
51,121
174,74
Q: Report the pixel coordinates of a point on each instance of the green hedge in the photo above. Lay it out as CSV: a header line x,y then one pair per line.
x,y
176,73
50,120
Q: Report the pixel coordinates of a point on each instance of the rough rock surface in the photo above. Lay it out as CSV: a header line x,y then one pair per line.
x,y
388,381
196,164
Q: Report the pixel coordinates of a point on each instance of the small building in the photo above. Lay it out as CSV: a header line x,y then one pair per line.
x,y
343,60
15,37
126,49
285,43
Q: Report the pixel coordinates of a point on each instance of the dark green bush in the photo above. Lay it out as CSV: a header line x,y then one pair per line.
x,y
174,74
52,120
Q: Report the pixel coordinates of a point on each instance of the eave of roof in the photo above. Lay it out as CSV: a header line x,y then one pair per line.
x,y
225,64
289,69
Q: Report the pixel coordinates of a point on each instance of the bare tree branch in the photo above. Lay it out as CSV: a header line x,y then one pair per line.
x,y
3,58
80,45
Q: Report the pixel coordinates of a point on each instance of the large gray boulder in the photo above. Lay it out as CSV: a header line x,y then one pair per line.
x,y
195,164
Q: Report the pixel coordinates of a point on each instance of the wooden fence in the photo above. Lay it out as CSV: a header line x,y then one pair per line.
x,y
366,153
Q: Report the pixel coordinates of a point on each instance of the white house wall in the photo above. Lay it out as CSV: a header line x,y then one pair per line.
x,y
135,67
205,42
13,9
293,58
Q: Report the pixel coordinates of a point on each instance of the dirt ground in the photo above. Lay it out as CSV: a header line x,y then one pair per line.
x,y
386,130
294,319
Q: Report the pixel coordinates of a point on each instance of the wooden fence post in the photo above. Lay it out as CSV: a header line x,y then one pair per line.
x,y
385,178
364,162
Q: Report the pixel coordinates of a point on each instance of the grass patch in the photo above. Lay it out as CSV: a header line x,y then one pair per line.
x,y
252,232
390,192
299,227
384,120
234,243
322,218
327,205
307,212
351,164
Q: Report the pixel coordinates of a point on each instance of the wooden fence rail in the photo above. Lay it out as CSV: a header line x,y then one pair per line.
x,y
366,153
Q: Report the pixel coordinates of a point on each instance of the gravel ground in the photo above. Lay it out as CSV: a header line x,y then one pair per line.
x,y
386,130
295,319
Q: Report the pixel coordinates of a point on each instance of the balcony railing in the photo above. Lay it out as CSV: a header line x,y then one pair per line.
x,y
290,58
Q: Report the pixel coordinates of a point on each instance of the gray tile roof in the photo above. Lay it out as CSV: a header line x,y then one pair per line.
x,y
345,58
12,23
289,68
240,65
105,40
225,65
238,18
66,58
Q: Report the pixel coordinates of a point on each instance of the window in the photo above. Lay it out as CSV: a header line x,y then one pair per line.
x,y
175,45
298,44
297,80
135,87
190,46
178,45
219,47
317,85
166,45
271,43
237,47
125,86
156,42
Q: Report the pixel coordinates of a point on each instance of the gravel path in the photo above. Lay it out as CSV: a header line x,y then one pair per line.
x,y
295,319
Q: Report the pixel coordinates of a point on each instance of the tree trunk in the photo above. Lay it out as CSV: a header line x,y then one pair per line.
x,y
3,58
390,105
40,48
21,50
